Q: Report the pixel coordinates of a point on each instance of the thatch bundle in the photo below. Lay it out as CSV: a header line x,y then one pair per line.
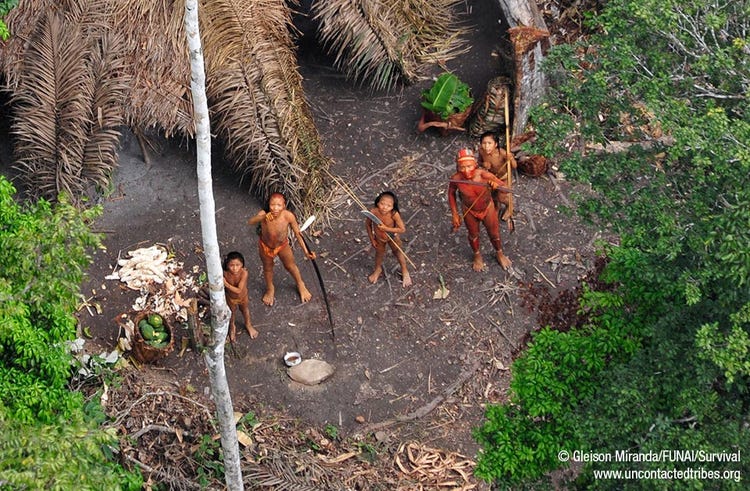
x,y
379,42
80,69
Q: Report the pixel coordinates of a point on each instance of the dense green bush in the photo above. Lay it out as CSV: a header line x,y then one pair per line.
x,y
48,438
672,75
42,258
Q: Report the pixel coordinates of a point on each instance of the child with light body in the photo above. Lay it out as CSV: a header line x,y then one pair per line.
x,y
495,159
235,288
386,210
274,241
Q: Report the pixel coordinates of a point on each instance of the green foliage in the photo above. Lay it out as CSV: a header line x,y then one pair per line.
x,y
521,441
5,7
45,440
66,456
209,461
730,351
331,431
672,74
447,96
41,266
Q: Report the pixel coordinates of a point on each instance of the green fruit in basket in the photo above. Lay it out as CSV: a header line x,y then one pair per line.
x,y
161,336
155,320
147,331
158,344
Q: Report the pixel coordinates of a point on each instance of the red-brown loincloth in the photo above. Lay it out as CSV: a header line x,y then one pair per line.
x,y
269,251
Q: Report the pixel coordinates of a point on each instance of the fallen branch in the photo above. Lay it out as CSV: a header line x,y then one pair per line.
x,y
463,377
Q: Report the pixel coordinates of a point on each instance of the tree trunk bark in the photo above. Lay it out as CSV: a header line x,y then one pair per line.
x,y
530,38
220,315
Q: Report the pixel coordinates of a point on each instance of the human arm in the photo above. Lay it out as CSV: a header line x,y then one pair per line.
x,y
241,285
370,227
491,179
258,218
505,157
456,218
398,228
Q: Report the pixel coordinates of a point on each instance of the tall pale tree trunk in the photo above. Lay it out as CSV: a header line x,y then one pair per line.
x,y
220,314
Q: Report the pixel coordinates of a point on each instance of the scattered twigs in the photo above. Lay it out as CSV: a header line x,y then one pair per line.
x,y
500,330
178,482
160,393
560,192
545,278
465,375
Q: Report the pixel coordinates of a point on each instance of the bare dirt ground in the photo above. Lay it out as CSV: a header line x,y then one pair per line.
x,y
409,367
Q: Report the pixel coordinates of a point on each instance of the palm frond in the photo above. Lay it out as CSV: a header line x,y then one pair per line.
x,y
111,84
155,53
257,101
22,22
289,470
378,42
53,107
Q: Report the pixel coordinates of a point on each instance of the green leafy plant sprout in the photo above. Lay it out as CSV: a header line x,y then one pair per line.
x,y
447,96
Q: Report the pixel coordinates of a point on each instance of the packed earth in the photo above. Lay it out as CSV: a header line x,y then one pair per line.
x,y
414,367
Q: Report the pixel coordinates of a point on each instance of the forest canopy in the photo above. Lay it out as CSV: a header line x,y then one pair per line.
x,y
651,110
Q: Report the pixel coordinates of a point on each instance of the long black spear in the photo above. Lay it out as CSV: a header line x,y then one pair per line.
x,y
304,227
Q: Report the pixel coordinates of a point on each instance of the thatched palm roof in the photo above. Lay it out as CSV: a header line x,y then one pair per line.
x,y
78,70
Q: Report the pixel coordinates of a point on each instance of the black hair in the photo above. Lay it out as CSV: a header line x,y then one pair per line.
x,y
393,197
232,256
494,136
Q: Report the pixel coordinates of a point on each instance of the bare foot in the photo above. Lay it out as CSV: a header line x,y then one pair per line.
x,y
252,332
268,297
304,293
375,275
232,333
406,281
503,260
478,264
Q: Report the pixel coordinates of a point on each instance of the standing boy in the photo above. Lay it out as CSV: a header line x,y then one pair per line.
x,y
495,159
274,241
475,187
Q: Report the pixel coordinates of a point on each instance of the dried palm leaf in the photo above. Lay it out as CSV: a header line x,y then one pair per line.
x,y
155,52
21,21
111,85
378,42
257,101
289,470
258,109
53,107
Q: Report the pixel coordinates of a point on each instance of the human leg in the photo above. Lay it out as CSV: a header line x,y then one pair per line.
x,y
287,259
378,269
472,228
397,250
232,326
492,225
245,309
268,297
507,200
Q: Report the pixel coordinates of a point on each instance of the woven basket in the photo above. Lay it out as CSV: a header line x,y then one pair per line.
x,y
144,352
489,114
454,121
534,165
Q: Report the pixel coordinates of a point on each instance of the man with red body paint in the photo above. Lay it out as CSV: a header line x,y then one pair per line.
x,y
475,188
